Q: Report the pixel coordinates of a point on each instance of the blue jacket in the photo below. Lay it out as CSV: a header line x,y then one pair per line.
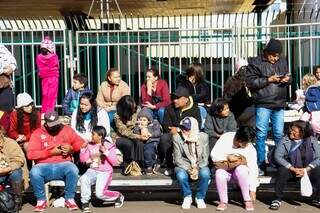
x,y
313,98
71,100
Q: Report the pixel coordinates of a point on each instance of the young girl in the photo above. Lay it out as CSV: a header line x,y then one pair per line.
x,y
100,155
48,66
218,121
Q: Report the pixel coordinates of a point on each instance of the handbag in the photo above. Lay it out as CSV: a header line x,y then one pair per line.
x,y
156,99
230,165
133,169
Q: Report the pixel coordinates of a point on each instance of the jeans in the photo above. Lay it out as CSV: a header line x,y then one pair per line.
x,y
240,175
45,172
204,179
15,176
262,125
150,153
160,114
102,181
111,119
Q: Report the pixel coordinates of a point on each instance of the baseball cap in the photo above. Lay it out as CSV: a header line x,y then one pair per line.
x,y
52,118
186,123
181,92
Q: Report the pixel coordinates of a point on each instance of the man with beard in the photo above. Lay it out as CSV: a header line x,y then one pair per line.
x,y
51,147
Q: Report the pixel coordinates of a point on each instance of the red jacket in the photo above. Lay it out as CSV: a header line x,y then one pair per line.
x,y
162,90
41,144
13,129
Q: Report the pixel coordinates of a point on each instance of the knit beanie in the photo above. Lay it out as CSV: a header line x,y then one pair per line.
x,y
145,112
48,44
273,46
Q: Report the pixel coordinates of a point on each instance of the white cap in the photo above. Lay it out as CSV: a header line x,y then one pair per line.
x,y
23,99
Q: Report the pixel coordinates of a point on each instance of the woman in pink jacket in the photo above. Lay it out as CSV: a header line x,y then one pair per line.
x,y
48,66
100,156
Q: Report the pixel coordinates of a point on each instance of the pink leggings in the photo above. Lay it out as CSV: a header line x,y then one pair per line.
x,y
240,175
50,88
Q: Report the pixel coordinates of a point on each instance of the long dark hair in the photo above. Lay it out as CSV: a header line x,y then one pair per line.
x,y
303,126
94,114
195,70
126,107
217,106
235,83
33,117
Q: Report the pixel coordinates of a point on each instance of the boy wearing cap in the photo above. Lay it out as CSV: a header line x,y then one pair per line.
x,y
190,155
150,128
182,106
51,147
268,78
48,67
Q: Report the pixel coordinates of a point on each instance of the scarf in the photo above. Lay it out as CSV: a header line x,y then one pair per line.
x,y
301,155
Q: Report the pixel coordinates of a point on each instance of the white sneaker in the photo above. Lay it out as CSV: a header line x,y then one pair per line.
x,y
168,172
186,202
200,203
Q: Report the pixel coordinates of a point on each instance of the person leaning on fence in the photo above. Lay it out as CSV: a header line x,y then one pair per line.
x,y
296,152
129,143
8,65
48,66
151,128
268,78
190,155
235,159
72,98
219,121
24,121
182,106
13,168
51,147
110,92
155,94
100,155
194,82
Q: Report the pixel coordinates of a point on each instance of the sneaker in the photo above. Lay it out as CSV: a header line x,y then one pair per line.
x,y
85,208
156,169
186,202
275,205
149,170
41,206
71,204
221,206
168,172
119,201
249,206
261,172
200,203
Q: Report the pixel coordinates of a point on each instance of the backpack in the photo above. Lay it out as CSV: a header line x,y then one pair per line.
x,y
7,204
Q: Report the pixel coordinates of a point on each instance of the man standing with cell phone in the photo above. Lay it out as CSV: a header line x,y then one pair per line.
x,y
268,79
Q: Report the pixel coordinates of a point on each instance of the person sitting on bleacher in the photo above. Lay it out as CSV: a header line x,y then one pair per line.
x,y
181,107
51,147
219,121
297,152
191,153
100,155
235,158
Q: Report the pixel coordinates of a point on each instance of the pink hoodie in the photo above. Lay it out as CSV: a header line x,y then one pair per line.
x,y
109,160
48,65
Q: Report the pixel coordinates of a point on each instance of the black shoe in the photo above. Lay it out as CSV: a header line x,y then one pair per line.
x,y
85,208
275,205
119,201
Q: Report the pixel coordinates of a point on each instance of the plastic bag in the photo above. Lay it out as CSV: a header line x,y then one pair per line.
x,y
305,185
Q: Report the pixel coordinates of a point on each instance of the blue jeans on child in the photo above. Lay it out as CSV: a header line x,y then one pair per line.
x,y
15,175
150,153
111,119
263,115
45,172
183,179
102,181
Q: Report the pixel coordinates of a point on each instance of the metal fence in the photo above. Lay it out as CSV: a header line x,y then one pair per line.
x,y
170,44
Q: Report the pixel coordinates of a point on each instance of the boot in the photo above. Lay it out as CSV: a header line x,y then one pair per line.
x,y
17,192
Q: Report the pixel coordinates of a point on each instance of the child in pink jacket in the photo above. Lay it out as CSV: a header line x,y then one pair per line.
x,y
48,67
100,155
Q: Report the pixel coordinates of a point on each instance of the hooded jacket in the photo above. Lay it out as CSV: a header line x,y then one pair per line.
x,y
71,100
265,94
48,65
313,98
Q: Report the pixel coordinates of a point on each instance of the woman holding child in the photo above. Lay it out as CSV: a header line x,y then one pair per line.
x,y
235,158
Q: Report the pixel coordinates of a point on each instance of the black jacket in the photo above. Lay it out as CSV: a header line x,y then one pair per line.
x,y
268,95
200,92
173,116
